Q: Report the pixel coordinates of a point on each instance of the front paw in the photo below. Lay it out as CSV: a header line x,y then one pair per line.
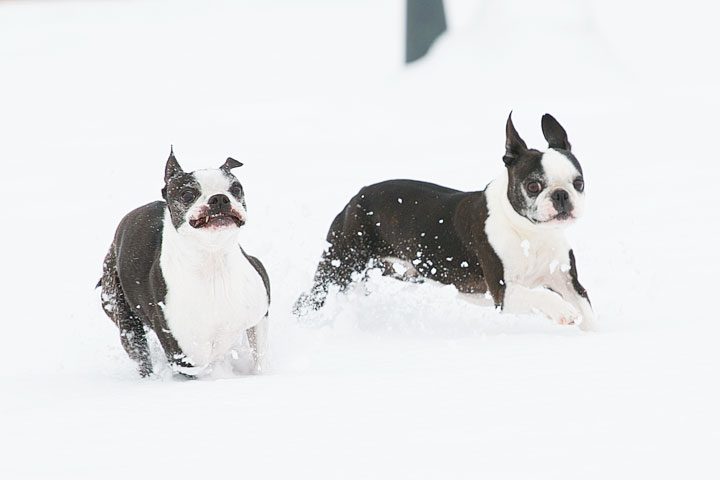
x,y
187,370
588,321
558,310
257,369
259,362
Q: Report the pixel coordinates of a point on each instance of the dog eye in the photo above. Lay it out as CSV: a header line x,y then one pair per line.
x,y
579,184
187,196
236,190
534,187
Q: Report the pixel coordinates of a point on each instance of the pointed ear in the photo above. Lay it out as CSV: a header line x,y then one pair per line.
x,y
172,167
229,164
514,145
554,133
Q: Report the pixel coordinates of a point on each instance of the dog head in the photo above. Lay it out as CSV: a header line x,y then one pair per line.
x,y
204,202
547,188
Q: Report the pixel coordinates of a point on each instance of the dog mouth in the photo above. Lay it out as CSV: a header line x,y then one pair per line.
x,y
563,218
557,219
217,220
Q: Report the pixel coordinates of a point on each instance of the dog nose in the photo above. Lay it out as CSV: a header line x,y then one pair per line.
x,y
219,200
219,203
561,200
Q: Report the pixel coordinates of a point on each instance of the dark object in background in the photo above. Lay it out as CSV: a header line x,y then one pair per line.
x,y
425,21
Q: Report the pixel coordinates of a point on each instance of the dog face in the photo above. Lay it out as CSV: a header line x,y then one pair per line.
x,y
204,202
547,188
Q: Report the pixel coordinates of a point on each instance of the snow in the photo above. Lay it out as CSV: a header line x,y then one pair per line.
x,y
393,380
525,245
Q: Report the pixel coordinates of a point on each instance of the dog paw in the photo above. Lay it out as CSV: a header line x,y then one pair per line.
x,y
302,306
187,371
567,320
560,311
258,364
588,322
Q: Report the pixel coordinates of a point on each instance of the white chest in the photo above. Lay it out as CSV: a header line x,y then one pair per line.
x,y
211,301
531,260
530,256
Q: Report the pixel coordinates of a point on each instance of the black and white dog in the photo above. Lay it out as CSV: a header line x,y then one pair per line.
x,y
176,267
502,246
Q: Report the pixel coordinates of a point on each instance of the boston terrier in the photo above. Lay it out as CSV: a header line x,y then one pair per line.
x,y
503,246
176,267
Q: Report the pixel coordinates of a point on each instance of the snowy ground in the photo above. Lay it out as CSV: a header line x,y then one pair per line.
x,y
407,382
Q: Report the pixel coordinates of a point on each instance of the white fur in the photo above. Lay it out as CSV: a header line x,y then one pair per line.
x,y
560,172
212,181
214,294
258,336
531,254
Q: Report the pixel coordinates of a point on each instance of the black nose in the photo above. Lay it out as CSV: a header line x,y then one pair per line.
x,y
561,200
219,202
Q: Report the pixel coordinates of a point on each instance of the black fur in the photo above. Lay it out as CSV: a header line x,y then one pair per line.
x,y
554,133
574,275
260,268
132,262
438,229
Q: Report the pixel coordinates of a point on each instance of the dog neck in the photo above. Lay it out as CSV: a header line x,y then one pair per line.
x,y
196,248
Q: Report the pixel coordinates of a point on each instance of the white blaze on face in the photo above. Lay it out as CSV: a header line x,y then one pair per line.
x,y
559,173
212,182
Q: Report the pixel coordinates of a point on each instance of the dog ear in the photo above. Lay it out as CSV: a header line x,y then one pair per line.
x,y
514,145
229,164
172,167
554,133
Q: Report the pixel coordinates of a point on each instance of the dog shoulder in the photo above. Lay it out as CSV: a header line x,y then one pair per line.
x,y
144,221
470,217
260,269
138,238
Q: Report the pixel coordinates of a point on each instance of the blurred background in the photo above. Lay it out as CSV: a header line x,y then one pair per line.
x,y
316,98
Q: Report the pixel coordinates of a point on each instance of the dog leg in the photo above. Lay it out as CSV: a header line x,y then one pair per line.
x,y
324,275
132,332
311,301
337,266
581,304
568,286
349,253
258,339
521,300
177,360
134,341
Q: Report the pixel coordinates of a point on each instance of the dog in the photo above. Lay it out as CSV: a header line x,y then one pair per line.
x,y
502,246
176,267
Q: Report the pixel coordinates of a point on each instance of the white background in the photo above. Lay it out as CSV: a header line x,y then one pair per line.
x,y
407,382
